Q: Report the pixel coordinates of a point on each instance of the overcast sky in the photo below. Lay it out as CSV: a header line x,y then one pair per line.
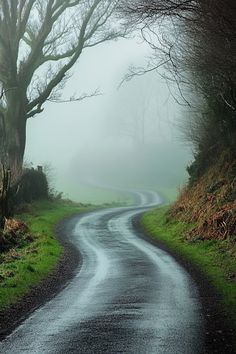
x,y
126,136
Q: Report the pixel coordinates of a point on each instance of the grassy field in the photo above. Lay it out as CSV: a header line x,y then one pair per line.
x,y
98,195
24,266
217,259
169,194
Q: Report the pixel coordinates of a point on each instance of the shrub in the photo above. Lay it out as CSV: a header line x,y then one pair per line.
x,y
33,185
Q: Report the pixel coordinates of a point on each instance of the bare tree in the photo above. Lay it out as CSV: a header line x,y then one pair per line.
x,y
159,23
196,42
151,10
40,41
136,123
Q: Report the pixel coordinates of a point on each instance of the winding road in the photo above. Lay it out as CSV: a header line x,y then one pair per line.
x,y
127,296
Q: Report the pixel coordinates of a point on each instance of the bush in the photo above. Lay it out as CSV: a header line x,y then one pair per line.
x,y
32,186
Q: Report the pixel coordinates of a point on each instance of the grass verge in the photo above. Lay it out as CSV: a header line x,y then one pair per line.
x,y
216,259
26,265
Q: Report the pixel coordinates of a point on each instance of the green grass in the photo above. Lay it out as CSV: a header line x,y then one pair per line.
x,y
98,195
170,194
22,268
217,259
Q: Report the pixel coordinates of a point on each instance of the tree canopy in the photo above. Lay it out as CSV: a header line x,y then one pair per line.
x,y
195,40
40,41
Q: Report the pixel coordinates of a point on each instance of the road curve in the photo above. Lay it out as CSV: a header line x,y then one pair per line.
x,y
127,297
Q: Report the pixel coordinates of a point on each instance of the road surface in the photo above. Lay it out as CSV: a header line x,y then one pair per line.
x,y
127,296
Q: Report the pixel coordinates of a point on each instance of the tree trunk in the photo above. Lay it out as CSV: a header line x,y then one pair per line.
x,y
12,151
4,195
15,133
15,146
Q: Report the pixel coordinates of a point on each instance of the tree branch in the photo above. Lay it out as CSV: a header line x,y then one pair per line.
x,y
77,99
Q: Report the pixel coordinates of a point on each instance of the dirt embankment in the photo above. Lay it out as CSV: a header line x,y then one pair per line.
x,y
210,202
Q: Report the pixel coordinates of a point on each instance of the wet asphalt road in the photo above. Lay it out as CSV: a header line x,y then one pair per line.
x,y
127,297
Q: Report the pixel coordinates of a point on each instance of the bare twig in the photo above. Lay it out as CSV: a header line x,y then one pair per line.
x,y
77,99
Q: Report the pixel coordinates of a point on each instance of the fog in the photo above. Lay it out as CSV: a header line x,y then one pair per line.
x,y
125,138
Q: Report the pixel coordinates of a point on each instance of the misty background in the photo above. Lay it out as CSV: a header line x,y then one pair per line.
x,y
125,138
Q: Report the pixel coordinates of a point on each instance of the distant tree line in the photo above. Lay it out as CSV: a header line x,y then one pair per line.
x,y
196,41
